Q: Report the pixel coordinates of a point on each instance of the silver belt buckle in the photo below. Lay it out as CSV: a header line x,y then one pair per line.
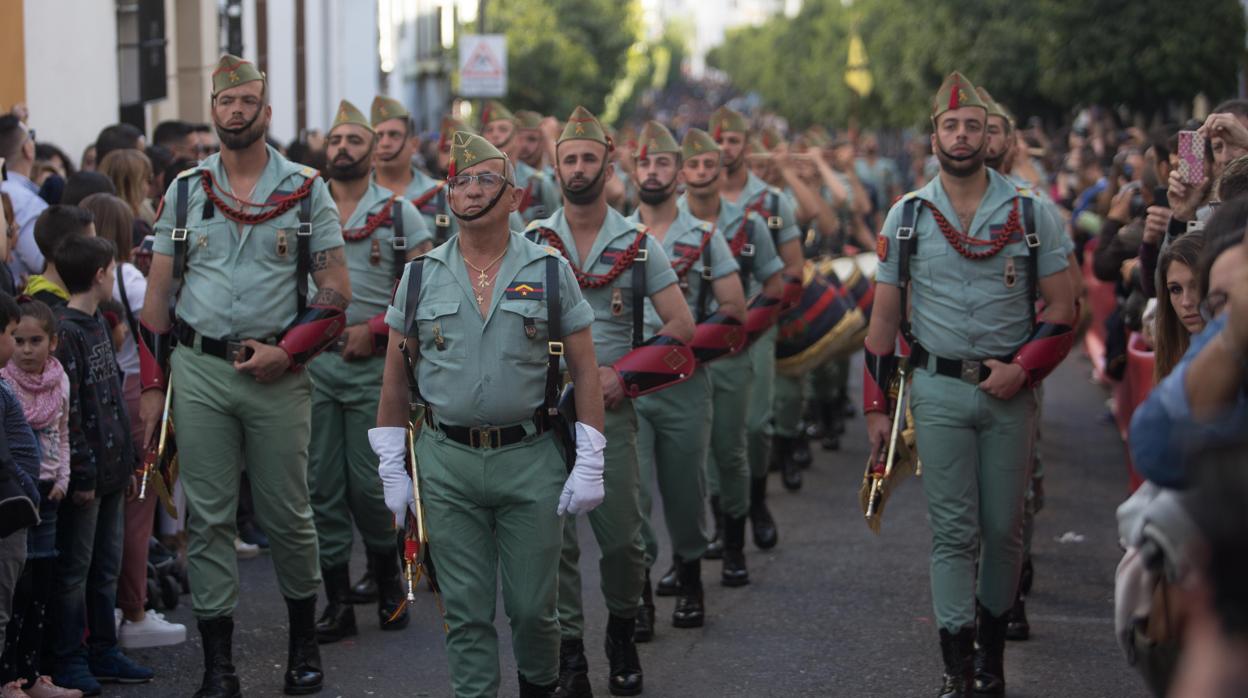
x,y
234,349
970,371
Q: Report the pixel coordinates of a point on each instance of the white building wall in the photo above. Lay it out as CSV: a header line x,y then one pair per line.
x,y
281,65
71,99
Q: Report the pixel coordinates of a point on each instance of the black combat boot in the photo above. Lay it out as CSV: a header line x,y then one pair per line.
x,y
715,548
799,452
1017,628
532,690
365,590
669,583
573,670
1027,576
689,612
303,659
790,470
220,681
734,573
390,592
765,534
644,629
830,415
625,679
990,653
338,620
958,651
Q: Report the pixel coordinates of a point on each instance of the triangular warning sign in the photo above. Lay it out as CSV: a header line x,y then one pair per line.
x,y
482,63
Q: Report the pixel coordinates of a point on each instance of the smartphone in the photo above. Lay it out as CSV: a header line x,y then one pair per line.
x,y
1161,197
1192,157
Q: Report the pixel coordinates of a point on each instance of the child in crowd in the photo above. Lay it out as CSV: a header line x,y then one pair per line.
x,y
102,464
19,461
42,387
52,227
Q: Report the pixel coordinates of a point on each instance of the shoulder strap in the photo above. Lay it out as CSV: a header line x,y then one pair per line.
x,y
774,222
125,304
704,288
411,351
179,228
908,243
1032,237
399,242
554,334
442,218
303,262
639,290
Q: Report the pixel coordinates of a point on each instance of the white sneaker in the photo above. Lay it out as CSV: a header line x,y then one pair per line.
x,y
152,631
245,550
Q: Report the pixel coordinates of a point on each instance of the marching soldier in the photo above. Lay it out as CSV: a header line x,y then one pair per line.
x,y
238,239
485,319
619,267
397,143
675,426
735,490
777,400
515,138
381,231
973,253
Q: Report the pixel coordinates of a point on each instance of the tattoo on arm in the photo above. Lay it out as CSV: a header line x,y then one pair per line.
x,y
330,297
333,257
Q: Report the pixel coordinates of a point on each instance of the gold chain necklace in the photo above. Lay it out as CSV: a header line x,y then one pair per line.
x,y
483,278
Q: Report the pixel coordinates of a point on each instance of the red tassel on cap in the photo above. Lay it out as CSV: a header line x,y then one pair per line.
x,y
450,169
642,154
953,95
719,132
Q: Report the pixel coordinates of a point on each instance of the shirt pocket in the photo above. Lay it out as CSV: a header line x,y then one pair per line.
x,y
930,261
440,332
525,331
209,241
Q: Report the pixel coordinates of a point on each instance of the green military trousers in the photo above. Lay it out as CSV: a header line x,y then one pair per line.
x,y
728,463
762,393
225,419
828,381
617,527
342,466
1033,502
672,442
977,458
485,508
786,409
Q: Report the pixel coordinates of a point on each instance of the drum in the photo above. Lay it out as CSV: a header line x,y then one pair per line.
x,y
823,325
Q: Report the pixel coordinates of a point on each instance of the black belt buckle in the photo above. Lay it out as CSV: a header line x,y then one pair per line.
x,y
971,371
485,437
234,350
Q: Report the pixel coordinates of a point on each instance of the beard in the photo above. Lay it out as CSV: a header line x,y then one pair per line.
x,y
242,137
581,191
346,170
653,193
961,165
734,165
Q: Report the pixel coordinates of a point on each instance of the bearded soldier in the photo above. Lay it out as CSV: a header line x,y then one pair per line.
x,y
238,238
973,254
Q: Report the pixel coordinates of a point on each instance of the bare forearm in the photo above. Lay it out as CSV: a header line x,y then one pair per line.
x,y
329,271
583,366
155,312
885,320
791,255
392,409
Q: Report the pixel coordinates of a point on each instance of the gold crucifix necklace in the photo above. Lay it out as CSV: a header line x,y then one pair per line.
x,y
483,277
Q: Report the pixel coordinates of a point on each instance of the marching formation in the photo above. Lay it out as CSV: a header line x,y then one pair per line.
x,y
549,320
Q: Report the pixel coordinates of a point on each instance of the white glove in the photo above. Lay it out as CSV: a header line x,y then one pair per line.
x,y
390,445
583,490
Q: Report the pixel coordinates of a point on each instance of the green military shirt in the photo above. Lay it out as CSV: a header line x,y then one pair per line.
x,y
764,260
239,281
754,194
684,238
542,193
435,209
613,330
964,309
476,371
370,260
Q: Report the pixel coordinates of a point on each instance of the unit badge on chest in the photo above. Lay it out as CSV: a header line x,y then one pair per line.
x,y
283,247
1011,275
374,254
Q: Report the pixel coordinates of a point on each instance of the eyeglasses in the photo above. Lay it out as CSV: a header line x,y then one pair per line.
x,y
488,181
1213,305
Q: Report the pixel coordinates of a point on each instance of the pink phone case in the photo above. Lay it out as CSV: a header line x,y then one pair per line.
x,y
1192,157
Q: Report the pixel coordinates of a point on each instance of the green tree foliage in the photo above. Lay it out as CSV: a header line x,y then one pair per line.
x,y
562,53
1042,57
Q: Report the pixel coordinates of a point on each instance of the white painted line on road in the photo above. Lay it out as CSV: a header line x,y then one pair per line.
x,y
1071,620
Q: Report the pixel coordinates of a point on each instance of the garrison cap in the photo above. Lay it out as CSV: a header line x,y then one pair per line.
x,y
727,120
528,120
449,126
698,142
655,139
956,92
495,111
584,126
233,71
468,149
385,108
348,114
995,108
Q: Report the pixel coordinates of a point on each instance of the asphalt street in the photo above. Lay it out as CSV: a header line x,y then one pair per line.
x,y
834,610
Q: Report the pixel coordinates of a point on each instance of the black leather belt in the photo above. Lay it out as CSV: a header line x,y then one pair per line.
x,y
487,437
968,370
228,349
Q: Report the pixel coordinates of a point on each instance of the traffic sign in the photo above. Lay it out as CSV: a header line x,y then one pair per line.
x,y
482,65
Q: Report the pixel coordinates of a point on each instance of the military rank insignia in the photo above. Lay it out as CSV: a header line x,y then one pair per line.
x,y
283,246
611,255
532,291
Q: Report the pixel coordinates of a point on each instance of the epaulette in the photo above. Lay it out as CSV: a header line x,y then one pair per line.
x,y
1025,191
642,228
187,172
551,251
309,172
533,225
774,190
